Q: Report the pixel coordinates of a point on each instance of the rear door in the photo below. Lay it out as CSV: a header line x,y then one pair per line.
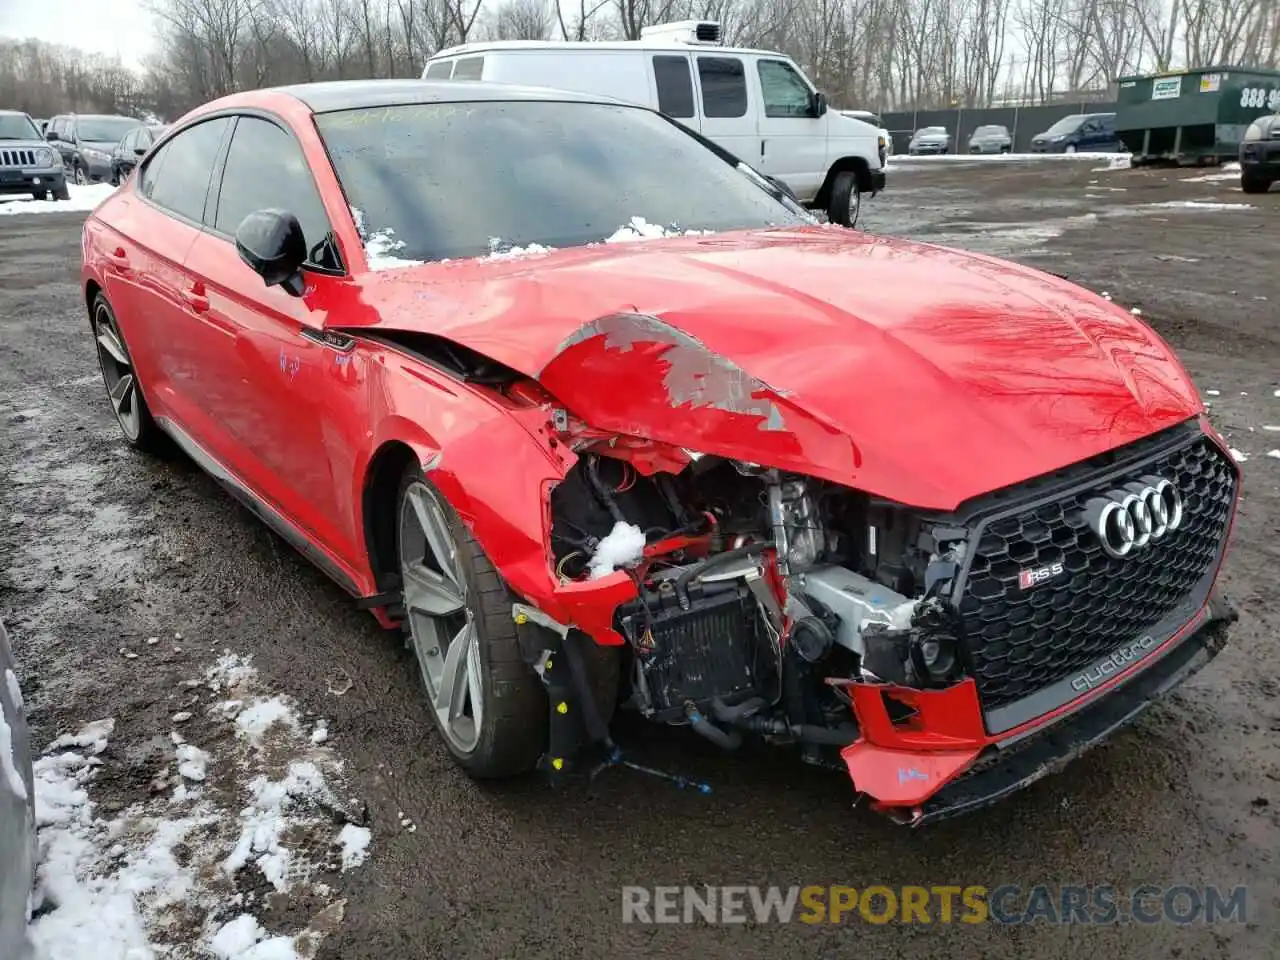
x,y
726,105
673,87
793,141
155,225
272,370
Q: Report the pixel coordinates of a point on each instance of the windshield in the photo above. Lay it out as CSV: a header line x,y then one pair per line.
x,y
18,127
1066,124
931,131
104,129
989,132
448,180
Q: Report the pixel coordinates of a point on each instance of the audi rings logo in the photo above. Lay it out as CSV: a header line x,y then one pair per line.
x,y
1138,513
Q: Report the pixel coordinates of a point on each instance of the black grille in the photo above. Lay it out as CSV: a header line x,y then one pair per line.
x,y
1021,640
17,158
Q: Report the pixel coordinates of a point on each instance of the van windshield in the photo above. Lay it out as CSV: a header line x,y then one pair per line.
x,y
438,181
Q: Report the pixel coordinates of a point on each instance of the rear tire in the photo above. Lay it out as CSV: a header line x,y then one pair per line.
x,y
81,175
845,203
124,390
1252,183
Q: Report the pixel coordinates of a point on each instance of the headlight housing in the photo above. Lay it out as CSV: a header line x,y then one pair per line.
x,y
97,154
1253,133
49,157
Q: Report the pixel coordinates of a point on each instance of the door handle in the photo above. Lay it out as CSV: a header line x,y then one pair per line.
x,y
118,258
762,148
195,298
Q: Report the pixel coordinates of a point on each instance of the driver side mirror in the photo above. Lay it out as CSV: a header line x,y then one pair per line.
x,y
139,151
271,243
50,135
819,103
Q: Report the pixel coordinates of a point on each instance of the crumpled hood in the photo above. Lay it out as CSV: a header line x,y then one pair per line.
x,y
913,372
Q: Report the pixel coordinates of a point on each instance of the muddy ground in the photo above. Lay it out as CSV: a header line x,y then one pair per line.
x,y
101,548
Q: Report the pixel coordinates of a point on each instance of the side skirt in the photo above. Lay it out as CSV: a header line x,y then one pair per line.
x,y
259,507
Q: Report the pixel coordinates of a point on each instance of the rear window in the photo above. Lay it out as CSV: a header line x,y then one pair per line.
x,y
724,87
469,68
675,86
450,180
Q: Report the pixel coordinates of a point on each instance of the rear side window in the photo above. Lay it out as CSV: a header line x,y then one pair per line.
x,y
675,86
439,70
469,68
724,87
265,168
177,177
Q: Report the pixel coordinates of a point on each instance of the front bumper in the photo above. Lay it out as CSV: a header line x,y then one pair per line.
x,y
1261,157
31,180
922,149
97,169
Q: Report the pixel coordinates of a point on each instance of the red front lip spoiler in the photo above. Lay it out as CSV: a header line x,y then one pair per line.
x,y
903,766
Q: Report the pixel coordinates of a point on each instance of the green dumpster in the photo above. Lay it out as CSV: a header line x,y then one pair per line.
x,y
1193,116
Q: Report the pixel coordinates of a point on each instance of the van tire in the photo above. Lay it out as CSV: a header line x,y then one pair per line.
x,y
845,193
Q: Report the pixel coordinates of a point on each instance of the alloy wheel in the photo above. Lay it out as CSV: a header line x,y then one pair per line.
x,y
441,622
117,373
855,205
82,178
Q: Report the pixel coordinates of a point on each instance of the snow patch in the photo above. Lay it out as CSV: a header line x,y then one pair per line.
x,y
498,252
1239,456
235,937
380,246
193,763
83,199
1274,454
638,228
263,823
1199,205
621,547
355,845
257,719
1213,393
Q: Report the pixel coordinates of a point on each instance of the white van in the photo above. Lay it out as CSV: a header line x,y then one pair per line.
x,y
756,104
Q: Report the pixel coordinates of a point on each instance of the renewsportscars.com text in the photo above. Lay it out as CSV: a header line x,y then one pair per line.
x,y
1006,904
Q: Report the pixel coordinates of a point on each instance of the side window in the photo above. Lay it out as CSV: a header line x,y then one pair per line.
x,y
784,92
469,68
675,86
724,87
439,70
127,144
265,168
1090,126
177,178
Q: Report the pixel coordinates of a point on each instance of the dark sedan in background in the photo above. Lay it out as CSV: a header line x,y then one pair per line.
x,y
1260,155
132,148
86,143
1080,133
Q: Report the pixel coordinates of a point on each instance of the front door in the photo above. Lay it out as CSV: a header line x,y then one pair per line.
x,y
793,140
278,371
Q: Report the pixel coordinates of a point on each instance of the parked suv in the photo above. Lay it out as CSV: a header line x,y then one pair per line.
x,y
1081,133
929,140
991,138
27,163
86,143
1260,155
756,104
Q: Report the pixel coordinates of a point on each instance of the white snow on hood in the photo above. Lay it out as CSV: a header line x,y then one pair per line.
x,y
380,246
638,228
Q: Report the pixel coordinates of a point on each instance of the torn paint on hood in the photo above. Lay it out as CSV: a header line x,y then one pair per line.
x,y
918,373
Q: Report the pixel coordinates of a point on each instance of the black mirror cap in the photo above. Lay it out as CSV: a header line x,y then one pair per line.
x,y
50,135
819,103
271,243
139,151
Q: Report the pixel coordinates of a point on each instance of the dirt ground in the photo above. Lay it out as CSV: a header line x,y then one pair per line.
x,y
101,548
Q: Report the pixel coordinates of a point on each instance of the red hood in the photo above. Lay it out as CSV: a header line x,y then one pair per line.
x,y
918,373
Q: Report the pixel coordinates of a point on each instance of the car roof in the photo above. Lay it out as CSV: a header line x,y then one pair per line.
x,y
333,95
663,43
13,113
103,116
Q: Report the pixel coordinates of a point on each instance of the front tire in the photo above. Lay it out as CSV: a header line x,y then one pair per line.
x,y
1252,183
133,416
845,203
40,195
487,703
81,175
61,192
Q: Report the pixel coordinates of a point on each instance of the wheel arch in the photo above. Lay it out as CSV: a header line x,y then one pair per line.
x,y
91,290
381,485
858,165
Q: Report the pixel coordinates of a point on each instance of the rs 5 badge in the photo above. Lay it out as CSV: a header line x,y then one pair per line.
x,y
1034,576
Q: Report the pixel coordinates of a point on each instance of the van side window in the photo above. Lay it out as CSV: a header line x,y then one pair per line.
x,y
469,68
724,86
785,94
439,70
675,86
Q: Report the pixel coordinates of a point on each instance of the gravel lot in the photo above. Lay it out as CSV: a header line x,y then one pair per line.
x,y
101,550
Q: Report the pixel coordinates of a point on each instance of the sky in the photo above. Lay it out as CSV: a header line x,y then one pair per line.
x,y
111,27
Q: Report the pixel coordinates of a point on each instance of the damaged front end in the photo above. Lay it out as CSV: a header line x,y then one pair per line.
x,y
699,529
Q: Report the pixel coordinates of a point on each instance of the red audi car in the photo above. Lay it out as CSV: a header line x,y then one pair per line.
x,y
602,420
